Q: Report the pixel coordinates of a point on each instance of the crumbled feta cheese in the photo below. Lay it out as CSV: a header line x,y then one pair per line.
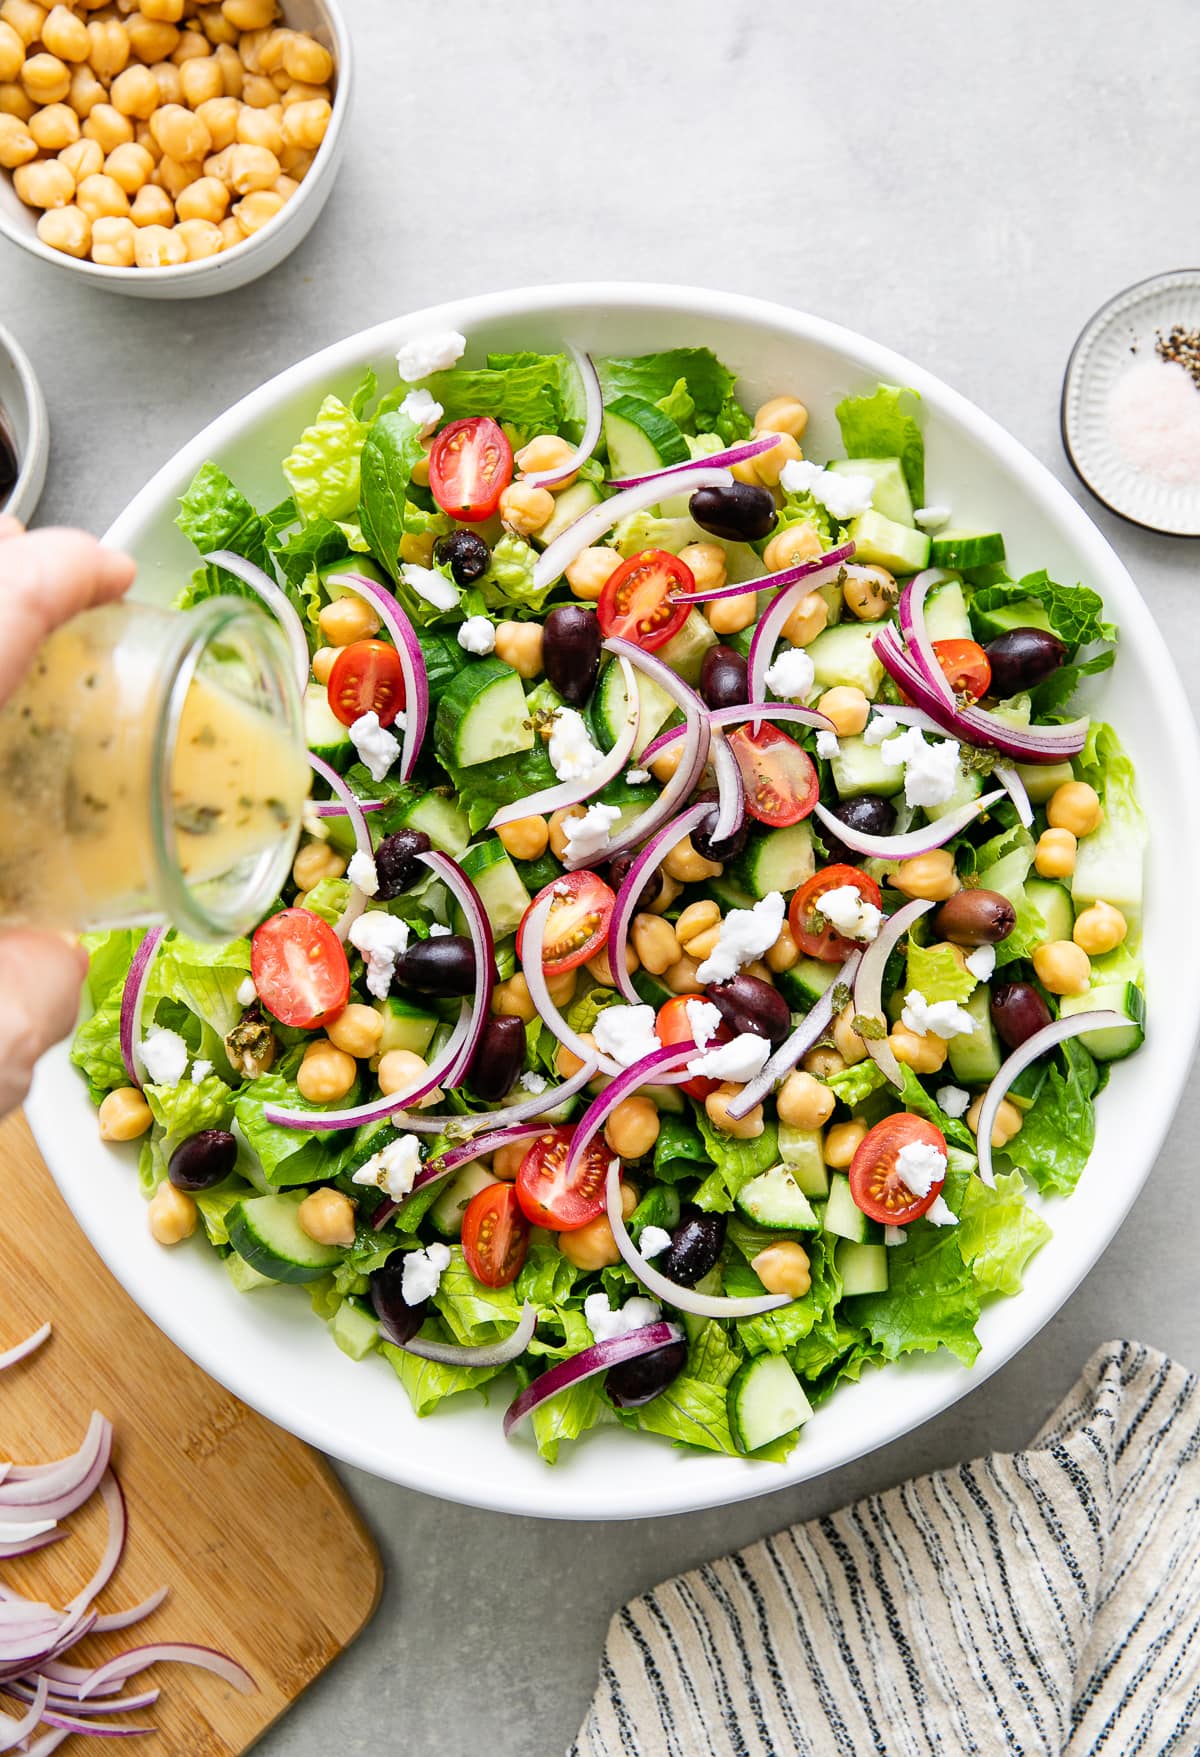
x,y
940,1213
893,1235
381,938
247,994
930,770
437,931
477,635
931,518
882,726
361,872
429,584
587,836
435,351
626,1033
844,496
533,1083
745,934
791,674
848,913
422,1272
920,1165
376,746
422,409
201,1069
741,1059
607,1322
572,753
164,1056
944,1019
953,1100
981,962
637,777
827,745
393,1168
653,1241
704,1019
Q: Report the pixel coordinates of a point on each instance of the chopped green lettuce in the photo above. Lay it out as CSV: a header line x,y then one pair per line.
x,y
656,378
679,1151
286,1156
109,956
932,1300
323,467
854,1084
881,426
779,1331
567,1416
918,1100
204,977
1056,1138
935,972
390,451
427,1382
508,582
523,392
96,1047
473,1313
998,1232
736,1162
190,1106
1075,613
214,514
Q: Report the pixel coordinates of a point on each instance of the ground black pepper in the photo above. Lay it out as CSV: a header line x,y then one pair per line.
x,y
1181,347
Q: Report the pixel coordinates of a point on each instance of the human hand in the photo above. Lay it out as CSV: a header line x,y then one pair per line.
x,y
46,577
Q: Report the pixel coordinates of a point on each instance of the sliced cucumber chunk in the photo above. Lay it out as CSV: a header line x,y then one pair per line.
x,y
765,1400
1026,1088
859,767
846,655
685,651
966,788
640,438
806,982
1026,613
966,549
570,505
1044,779
447,1212
844,1218
482,715
244,1278
1109,868
975,1056
441,820
354,1329
500,887
863,1268
265,1231
323,731
888,544
1117,1041
891,496
1053,903
609,704
946,616
405,1026
775,1200
776,860
801,1153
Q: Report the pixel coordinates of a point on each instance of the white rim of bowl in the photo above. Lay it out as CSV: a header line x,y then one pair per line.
x,y
31,463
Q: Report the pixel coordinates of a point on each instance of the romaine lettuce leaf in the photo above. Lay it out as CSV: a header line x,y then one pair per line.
x,y
328,899
288,1156
932,1299
711,1355
204,977
1056,1138
778,1332
918,1100
936,973
187,1108
302,555
214,514
881,426
585,1009
323,467
524,392
1075,613
427,1382
508,581
473,1313
214,1206
655,377
736,1162
998,1232
825,1345
483,787
806,509
390,450
547,1277
854,1084
96,1047
109,956
679,1151
567,1416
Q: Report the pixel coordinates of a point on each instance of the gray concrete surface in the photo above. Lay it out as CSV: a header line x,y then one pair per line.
x,y
965,183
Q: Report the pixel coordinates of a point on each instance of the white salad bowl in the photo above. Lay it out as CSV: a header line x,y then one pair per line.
x,y
266,1346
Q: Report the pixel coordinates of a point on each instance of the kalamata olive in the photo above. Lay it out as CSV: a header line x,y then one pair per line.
x,y
400,1321
741,513
635,1382
618,871
204,1159
499,1059
975,918
724,682
396,863
1023,658
571,651
868,813
747,1003
702,838
466,555
695,1246
1018,1010
445,965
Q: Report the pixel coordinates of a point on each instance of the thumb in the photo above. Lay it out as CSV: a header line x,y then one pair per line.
x,y
40,978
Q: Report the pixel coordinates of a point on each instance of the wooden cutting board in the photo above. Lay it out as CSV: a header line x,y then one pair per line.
x,y
264,1556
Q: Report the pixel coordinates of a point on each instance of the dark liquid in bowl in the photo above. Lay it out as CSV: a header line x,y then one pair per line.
x,y
8,465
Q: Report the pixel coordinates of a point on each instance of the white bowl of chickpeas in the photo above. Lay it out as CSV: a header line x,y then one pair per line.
x,y
169,149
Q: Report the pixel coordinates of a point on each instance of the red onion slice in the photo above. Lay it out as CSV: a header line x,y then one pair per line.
x,y
114,1506
276,601
735,454
22,1351
731,791
593,423
136,982
412,663
934,834
533,942
568,793
54,1492
480,929
315,1122
488,1354
335,808
662,1067
555,559
684,1299
586,1364
813,1026
1017,792
1056,1032
357,900
770,625
139,1659
15,1732
135,1614
647,861
772,582
911,612
868,984
738,716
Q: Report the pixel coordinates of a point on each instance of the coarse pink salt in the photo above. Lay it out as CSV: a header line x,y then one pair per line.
x,y
1154,421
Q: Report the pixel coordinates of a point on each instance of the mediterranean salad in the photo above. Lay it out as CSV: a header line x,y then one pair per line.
x,y
712,916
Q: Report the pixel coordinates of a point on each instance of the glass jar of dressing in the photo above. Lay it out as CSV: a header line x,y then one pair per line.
x,y
153,768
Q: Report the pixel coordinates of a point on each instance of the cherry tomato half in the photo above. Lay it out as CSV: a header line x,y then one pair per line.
x,y
966,667
674,1026
299,968
875,1184
495,1236
577,926
780,779
470,466
366,677
548,1197
638,600
810,930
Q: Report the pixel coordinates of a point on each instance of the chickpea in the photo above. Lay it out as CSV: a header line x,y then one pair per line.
x,y
304,124
1076,807
124,1115
44,183
804,1102
82,158
113,242
170,11
601,970
512,999
683,863
233,74
308,61
68,229
927,875
561,988
558,828
297,161
158,246
791,546
769,465
847,707
12,51
328,1217
525,838
588,574
109,47
822,1063
842,1142
525,509
259,128
783,1268
220,117
731,615
102,197
1054,856
1062,966
24,18
55,127
250,46
17,145
202,79
129,166
655,943
292,92
924,1054
191,46
316,861
546,451
258,91
567,1062
46,79
664,766
326,1072
231,233
632,1127
270,54
683,977
400,1068
107,126
1007,1123
172,1215
15,101
707,563
506,1160
784,953
420,469
166,77
697,918
519,644
807,620
217,27
782,415
152,207
249,15
847,1041
346,620
86,91
668,892
135,92
593,1246
1099,929
746,1128
251,168
871,594
703,945
152,40
253,211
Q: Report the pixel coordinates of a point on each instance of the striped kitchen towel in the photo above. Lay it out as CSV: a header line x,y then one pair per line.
x,y
1046,1601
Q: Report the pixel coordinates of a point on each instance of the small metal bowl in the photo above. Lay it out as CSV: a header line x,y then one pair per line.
x,y
26,426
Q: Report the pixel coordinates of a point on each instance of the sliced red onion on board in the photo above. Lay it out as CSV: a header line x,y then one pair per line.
x,y
114,1506
357,900
276,601
770,623
934,834
57,1491
568,793
490,1354
1049,1037
533,941
133,997
140,1659
811,1028
15,1732
586,1364
735,454
738,716
1017,792
646,862
593,423
771,582
868,983
555,559
135,1614
662,1067
412,663
21,1351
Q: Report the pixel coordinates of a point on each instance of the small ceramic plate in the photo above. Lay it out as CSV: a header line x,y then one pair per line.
x,y
1119,338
